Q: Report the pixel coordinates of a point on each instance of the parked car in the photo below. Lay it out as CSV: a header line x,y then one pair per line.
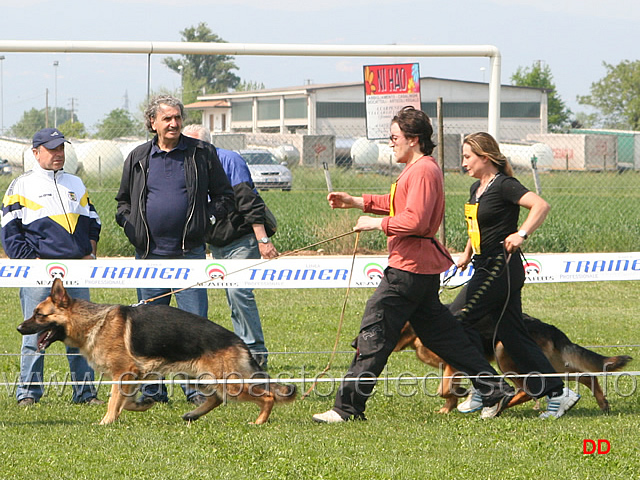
x,y
5,167
266,172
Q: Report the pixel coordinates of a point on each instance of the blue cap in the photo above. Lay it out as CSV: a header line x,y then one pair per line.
x,y
49,137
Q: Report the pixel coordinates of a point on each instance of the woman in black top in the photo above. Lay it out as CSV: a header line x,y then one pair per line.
x,y
494,248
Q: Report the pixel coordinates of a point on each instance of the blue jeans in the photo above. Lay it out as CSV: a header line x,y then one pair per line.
x,y
193,300
242,302
32,362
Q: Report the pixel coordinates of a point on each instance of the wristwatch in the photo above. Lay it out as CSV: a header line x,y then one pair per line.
x,y
523,234
264,240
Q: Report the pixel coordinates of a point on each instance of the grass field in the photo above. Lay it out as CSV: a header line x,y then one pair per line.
x,y
403,438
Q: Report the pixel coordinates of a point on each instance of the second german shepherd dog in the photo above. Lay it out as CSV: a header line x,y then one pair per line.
x,y
129,343
564,355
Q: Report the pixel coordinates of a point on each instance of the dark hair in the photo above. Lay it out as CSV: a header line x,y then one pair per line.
x,y
484,145
416,124
152,109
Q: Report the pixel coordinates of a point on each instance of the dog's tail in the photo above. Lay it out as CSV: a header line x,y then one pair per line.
x,y
582,359
612,364
284,393
281,393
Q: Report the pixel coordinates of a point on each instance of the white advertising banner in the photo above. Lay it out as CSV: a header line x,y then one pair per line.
x,y
290,272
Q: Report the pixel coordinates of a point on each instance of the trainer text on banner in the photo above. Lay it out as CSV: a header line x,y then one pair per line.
x,y
294,272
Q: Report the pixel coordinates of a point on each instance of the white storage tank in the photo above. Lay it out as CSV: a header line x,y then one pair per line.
x,y
364,152
99,156
13,151
126,147
286,154
367,153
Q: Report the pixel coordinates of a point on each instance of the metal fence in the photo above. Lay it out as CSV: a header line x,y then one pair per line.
x,y
591,180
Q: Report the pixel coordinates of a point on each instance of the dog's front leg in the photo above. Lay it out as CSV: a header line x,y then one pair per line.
x,y
122,398
116,403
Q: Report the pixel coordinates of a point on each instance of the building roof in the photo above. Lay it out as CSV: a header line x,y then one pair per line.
x,y
207,104
305,89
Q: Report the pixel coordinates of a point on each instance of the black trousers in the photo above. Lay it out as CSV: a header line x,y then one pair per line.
x,y
493,288
403,296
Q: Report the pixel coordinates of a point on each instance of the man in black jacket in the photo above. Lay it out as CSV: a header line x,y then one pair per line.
x,y
173,189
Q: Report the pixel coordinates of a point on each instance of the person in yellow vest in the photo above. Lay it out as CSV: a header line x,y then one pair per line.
x,y
492,215
410,217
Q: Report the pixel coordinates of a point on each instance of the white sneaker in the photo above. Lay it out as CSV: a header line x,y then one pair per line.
x,y
330,416
472,403
558,406
496,409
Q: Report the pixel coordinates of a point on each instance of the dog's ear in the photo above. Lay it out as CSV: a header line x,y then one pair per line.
x,y
59,295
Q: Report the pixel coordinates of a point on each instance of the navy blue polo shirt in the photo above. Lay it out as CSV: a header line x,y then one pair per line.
x,y
167,199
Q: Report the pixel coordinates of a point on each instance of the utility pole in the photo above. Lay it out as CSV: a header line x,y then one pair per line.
x,y
46,108
2,94
55,94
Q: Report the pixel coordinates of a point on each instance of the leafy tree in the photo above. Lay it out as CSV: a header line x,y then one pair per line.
x,y
118,123
249,86
73,129
34,120
617,96
203,73
539,76
585,120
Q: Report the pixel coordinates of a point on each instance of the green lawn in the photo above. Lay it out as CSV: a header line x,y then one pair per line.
x,y
404,437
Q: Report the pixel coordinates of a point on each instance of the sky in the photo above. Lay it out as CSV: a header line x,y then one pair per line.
x,y
572,37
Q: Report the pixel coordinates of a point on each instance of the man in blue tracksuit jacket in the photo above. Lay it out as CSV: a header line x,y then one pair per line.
x,y
46,213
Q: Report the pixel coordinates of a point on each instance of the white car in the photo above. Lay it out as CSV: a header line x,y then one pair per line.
x,y
5,167
266,172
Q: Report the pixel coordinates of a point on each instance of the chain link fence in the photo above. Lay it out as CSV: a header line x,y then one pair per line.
x,y
591,180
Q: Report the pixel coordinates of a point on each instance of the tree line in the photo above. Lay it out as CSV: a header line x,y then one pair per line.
x,y
614,97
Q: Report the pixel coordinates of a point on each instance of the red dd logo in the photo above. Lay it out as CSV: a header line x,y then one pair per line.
x,y
600,446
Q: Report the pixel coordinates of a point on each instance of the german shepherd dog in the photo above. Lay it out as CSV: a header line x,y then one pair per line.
x,y
129,343
564,355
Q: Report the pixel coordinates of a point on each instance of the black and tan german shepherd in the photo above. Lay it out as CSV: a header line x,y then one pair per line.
x,y
564,355
129,343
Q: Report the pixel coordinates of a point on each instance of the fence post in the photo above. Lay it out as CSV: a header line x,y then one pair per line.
x,y
536,178
442,231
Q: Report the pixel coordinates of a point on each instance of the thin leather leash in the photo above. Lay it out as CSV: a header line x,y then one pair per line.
x,y
340,323
293,252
